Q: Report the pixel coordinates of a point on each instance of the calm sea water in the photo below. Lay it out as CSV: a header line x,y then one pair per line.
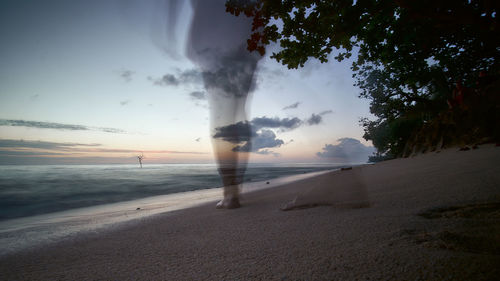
x,y
32,190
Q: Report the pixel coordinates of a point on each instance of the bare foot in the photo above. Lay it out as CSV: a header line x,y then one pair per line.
x,y
228,203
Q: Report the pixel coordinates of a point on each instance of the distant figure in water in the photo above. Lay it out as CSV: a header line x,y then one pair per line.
x,y
140,157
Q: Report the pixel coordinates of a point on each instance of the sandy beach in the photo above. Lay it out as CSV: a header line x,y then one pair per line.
x,y
430,217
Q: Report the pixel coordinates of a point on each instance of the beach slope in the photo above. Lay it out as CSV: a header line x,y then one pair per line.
x,y
431,217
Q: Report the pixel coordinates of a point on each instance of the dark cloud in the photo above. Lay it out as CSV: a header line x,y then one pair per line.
x,y
41,125
317,118
291,106
314,119
44,159
263,139
7,143
108,130
259,123
285,123
111,150
14,153
126,75
255,134
243,131
165,80
348,149
326,112
57,126
190,77
235,133
198,95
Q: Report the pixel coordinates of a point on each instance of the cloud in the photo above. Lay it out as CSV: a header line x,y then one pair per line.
x,y
8,143
28,153
126,74
190,77
198,95
254,135
314,119
287,123
165,80
326,112
111,150
348,149
235,133
44,159
263,139
276,122
248,129
268,152
317,118
44,152
107,130
57,126
243,131
41,125
291,106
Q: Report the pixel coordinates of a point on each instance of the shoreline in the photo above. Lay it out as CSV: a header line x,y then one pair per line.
x,y
429,217
36,190
41,230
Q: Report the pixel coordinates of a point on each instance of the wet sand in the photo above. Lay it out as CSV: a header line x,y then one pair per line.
x,y
431,217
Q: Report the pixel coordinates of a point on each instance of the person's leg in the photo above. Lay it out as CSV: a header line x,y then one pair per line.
x,y
226,111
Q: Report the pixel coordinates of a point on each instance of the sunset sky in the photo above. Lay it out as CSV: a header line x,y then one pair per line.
x,y
90,82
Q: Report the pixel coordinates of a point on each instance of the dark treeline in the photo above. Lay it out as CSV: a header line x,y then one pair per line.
x,y
429,68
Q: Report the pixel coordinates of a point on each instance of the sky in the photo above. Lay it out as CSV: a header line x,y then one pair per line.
x,y
92,81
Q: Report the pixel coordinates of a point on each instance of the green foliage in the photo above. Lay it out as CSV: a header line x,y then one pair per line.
x,y
409,53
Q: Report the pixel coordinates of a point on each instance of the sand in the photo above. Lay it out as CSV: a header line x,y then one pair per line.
x,y
431,217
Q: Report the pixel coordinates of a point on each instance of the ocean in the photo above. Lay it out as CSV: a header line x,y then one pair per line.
x,y
40,189
47,204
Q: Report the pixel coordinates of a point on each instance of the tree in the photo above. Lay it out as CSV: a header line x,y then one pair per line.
x,y
409,53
